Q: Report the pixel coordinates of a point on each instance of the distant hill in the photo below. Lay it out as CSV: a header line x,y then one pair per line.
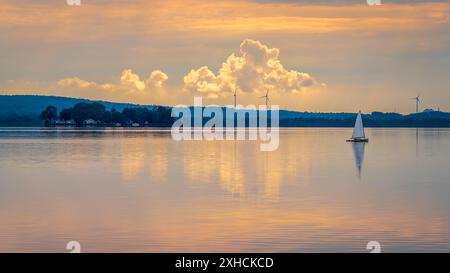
x,y
24,110
31,105
376,119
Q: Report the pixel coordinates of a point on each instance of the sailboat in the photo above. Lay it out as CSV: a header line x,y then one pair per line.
x,y
358,131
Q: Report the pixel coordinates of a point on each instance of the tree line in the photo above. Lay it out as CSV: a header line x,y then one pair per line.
x,y
81,112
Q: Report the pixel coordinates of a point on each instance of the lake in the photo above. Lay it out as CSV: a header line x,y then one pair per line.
x,y
117,190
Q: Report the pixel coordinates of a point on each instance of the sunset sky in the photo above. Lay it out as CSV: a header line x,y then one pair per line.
x,y
312,55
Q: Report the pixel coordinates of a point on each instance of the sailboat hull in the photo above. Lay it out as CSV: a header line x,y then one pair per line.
x,y
358,140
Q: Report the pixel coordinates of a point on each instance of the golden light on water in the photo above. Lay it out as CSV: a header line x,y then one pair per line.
x,y
143,191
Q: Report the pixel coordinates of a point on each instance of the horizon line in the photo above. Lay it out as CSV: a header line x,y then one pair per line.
x,y
139,104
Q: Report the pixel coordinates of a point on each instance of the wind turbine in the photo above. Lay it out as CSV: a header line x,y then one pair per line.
x,y
267,98
235,95
417,99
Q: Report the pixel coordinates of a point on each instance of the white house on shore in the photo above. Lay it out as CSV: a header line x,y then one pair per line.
x,y
90,122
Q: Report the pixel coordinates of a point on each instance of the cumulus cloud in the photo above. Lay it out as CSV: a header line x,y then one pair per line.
x,y
156,79
129,82
257,68
204,81
129,87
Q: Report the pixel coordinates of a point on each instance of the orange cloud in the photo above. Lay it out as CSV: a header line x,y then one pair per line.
x,y
129,87
330,40
103,20
129,82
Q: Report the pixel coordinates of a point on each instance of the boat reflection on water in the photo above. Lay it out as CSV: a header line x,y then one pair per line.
x,y
358,151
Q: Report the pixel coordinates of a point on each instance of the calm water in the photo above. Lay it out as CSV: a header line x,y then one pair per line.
x,y
138,190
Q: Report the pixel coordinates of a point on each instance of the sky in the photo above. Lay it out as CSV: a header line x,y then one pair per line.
x,y
321,56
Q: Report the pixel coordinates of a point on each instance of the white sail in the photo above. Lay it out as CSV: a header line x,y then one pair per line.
x,y
358,131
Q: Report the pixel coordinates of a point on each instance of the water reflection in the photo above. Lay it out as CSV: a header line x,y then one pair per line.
x,y
231,173
358,152
417,142
133,157
142,191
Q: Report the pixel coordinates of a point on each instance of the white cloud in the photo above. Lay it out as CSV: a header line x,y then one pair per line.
x,y
257,68
204,81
